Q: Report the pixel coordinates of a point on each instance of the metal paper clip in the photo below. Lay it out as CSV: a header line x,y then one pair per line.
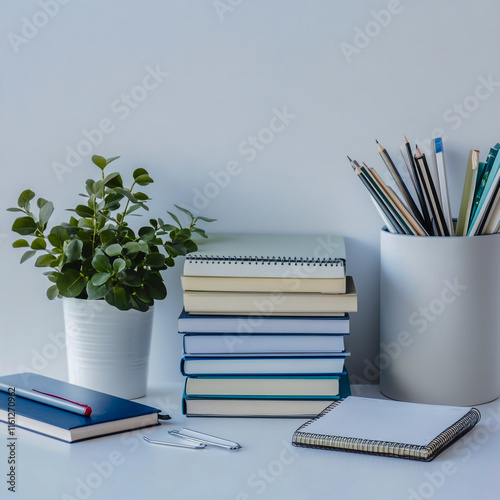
x,y
199,446
206,439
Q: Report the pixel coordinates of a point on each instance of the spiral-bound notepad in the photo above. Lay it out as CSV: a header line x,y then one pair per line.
x,y
268,255
384,427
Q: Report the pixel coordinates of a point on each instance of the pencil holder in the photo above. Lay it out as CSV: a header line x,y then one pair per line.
x,y
440,318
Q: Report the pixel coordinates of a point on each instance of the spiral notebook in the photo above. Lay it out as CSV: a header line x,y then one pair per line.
x,y
268,256
389,428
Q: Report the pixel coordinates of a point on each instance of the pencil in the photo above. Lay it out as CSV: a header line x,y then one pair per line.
x,y
407,229
399,183
418,189
376,197
412,221
430,191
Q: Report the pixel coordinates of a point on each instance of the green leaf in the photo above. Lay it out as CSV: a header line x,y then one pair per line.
x,y
84,211
141,196
175,218
176,248
168,227
143,295
52,292
24,225
133,208
41,202
109,160
132,247
45,260
14,209
118,297
191,246
101,263
126,193
183,234
118,265
113,250
100,278
113,180
140,171
108,236
201,232
74,250
146,233
70,283
27,255
45,212
99,161
20,244
154,260
39,244
184,210
89,186
97,291
58,235
153,284
24,198
144,180
138,304
132,279
206,219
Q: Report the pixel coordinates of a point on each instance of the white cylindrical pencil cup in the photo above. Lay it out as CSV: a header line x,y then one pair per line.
x,y
440,318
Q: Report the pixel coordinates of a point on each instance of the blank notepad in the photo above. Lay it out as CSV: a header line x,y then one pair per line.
x,y
384,427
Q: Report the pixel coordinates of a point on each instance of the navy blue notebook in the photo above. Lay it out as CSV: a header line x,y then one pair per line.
x,y
110,414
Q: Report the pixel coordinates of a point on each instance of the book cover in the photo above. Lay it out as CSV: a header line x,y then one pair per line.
x,y
110,414
241,324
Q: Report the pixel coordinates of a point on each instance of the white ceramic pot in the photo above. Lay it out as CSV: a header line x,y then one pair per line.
x,y
107,349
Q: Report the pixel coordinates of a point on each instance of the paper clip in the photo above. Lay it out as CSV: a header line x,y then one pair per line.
x,y
199,446
206,439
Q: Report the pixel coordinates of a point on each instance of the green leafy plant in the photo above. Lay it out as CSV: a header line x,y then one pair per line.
x,y
96,254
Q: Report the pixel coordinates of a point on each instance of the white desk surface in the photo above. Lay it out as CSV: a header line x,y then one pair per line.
x,y
124,466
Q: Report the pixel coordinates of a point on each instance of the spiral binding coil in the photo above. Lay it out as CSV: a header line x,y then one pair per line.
x,y
291,261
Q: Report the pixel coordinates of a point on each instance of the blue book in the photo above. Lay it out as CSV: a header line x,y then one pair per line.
x,y
263,365
110,414
245,325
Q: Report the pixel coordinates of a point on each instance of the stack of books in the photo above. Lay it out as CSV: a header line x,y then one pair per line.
x,y
263,325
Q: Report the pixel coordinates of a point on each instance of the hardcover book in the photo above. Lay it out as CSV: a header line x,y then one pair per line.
x,y
110,414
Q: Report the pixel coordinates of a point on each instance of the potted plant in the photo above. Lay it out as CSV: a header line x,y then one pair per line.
x,y
108,275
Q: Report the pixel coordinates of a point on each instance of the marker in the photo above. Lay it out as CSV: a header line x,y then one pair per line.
x,y
50,400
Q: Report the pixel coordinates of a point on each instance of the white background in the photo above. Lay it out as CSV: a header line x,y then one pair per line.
x,y
348,72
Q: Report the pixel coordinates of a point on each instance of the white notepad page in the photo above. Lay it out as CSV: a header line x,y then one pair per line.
x,y
386,420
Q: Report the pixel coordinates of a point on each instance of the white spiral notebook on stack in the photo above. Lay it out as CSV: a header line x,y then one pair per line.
x,y
268,256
